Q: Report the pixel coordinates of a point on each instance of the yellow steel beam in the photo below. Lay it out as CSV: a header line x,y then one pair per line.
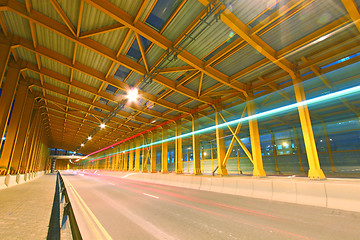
x,y
58,28
102,30
164,151
121,16
196,144
353,11
63,16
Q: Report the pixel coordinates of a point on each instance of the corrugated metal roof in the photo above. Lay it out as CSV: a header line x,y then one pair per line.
x,y
93,19
47,92
239,61
82,93
55,42
79,103
84,78
153,88
26,55
107,39
176,98
133,78
55,66
17,25
71,9
247,10
211,37
315,16
92,59
207,82
55,83
185,16
46,8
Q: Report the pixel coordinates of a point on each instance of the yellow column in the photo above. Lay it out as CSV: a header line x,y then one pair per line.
x,y
178,148
274,151
32,142
153,154
220,144
7,97
131,156
164,152
13,128
4,58
255,139
315,170
196,144
145,157
137,154
126,156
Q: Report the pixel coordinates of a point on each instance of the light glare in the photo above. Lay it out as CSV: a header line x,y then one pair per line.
x,y
132,94
102,125
89,137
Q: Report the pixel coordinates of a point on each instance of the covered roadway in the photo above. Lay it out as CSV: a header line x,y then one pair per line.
x,y
263,93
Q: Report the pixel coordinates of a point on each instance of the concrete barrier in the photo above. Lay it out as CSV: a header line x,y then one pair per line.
x,y
230,186
205,183
262,188
309,192
245,187
195,182
217,184
2,182
284,191
10,180
343,196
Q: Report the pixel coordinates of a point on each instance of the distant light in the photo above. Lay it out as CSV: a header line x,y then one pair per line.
x,y
82,145
102,125
3,138
89,137
285,144
74,152
330,139
153,121
322,38
321,140
133,94
189,147
205,153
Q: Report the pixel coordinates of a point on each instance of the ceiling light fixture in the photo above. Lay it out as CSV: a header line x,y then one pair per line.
x,y
102,125
133,94
89,137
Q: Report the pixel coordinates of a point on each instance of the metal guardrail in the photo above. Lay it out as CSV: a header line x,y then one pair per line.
x,y
68,211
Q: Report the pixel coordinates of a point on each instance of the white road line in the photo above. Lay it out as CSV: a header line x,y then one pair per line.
x,y
150,195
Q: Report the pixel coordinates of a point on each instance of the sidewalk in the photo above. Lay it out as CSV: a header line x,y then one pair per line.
x,y
25,209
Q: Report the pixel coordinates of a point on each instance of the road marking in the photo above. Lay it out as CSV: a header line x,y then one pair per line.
x,y
88,211
128,175
81,174
150,195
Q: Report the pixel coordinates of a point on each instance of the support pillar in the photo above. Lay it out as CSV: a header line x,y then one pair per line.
x,y
255,139
137,154
196,144
178,148
131,156
4,58
220,144
145,156
7,97
153,154
13,128
31,142
315,170
126,156
164,152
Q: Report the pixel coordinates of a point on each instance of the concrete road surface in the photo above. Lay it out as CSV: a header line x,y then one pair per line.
x,y
128,209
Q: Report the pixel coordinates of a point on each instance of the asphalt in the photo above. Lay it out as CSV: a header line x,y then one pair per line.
x,y
128,209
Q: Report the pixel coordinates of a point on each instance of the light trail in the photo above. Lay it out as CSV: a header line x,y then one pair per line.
x,y
313,101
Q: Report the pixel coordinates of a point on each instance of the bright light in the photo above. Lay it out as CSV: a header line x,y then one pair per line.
x,y
3,138
102,125
74,152
133,94
153,121
82,145
205,153
285,144
89,137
